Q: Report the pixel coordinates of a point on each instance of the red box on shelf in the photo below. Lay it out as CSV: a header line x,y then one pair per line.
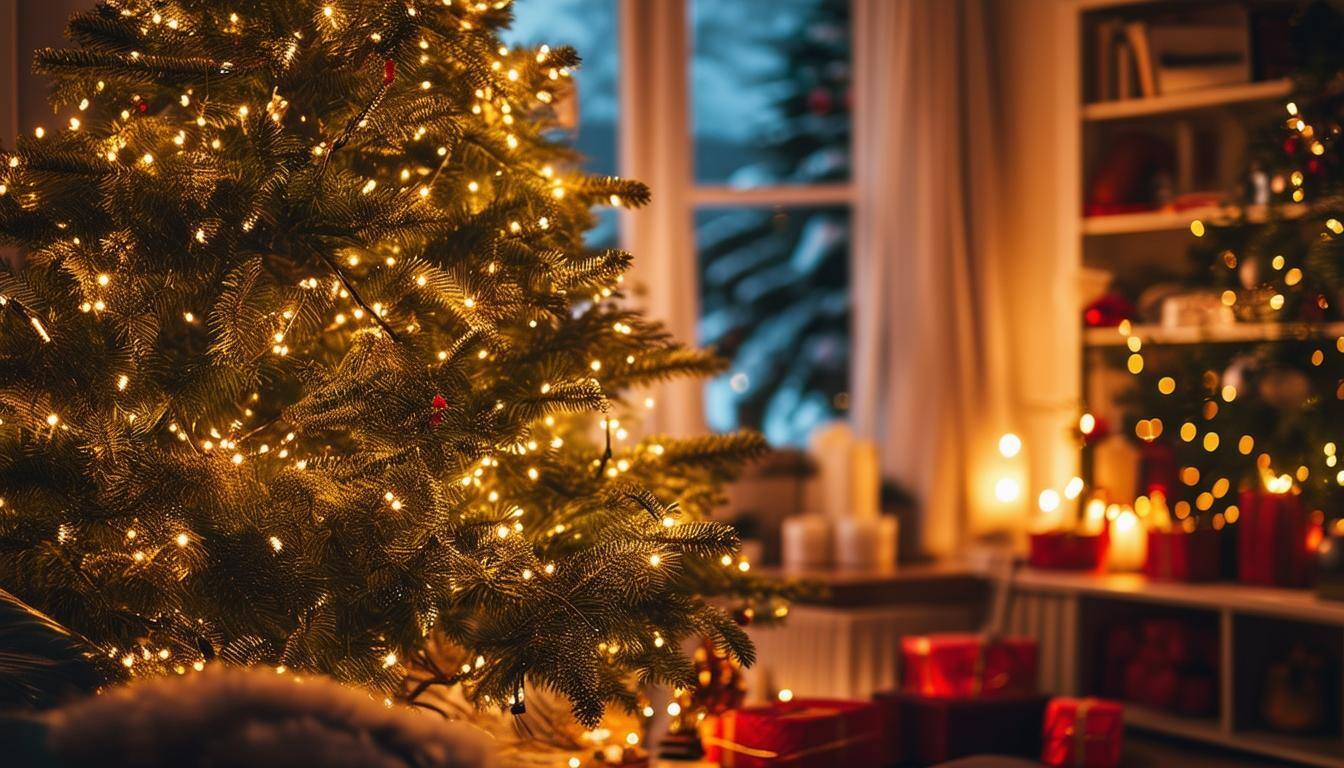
x,y
963,664
1067,551
1182,556
1082,732
800,734
1276,540
926,730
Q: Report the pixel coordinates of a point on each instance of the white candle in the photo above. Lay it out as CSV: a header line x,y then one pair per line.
x,y
806,542
866,544
1128,546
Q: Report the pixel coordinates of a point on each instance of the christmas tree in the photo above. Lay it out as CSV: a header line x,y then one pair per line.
x,y
308,363
1220,415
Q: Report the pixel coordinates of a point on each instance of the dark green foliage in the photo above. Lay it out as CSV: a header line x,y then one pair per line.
x,y
300,366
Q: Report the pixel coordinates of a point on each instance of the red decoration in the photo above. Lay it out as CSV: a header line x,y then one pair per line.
x,y
1157,468
805,733
1068,551
1085,733
438,403
1276,540
1182,556
389,71
1108,311
1164,664
819,101
142,107
968,665
926,731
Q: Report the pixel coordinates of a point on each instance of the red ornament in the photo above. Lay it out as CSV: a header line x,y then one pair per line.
x,y
1313,166
1108,311
438,403
435,419
389,71
1290,145
142,107
819,101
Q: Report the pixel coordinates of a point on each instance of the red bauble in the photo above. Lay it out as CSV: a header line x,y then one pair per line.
x,y
142,107
435,419
1290,145
1313,166
1108,311
389,71
439,403
820,101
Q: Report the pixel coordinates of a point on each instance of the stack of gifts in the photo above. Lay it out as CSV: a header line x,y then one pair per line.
x,y
802,733
1064,542
1166,664
964,695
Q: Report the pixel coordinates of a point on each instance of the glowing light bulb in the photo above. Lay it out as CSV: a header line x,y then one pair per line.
x,y
1010,445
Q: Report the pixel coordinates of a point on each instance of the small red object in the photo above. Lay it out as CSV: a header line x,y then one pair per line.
x,y
1068,551
389,71
804,733
1276,540
926,731
964,664
142,107
1085,733
438,403
1108,311
435,419
1184,556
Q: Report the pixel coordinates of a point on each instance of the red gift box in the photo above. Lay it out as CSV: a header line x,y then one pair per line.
x,y
1276,540
1066,551
1183,556
968,665
804,733
1082,732
928,731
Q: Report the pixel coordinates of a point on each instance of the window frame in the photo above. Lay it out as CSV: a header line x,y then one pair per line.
x,y
657,147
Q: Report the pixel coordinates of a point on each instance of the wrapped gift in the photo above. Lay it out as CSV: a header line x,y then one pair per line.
x,y
968,665
1082,732
800,734
927,731
1276,540
1183,556
1067,551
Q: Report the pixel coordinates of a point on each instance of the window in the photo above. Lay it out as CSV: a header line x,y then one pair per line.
x,y
765,199
770,84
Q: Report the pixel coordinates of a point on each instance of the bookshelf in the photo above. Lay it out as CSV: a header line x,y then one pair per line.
x,y
1066,611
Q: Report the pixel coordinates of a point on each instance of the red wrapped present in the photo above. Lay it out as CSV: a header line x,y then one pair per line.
x,y
1182,556
1082,732
1176,641
1067,551
926,731
965,664
800,734
1276,540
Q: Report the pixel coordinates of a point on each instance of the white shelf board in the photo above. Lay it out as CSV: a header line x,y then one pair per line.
x,y
1163,220
1203,98
1212,334
1245,599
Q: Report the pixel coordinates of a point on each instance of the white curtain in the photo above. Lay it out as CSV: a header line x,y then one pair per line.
x,y
931,379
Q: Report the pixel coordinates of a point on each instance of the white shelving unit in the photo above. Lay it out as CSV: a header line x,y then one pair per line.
x,y
1061,610
1064,611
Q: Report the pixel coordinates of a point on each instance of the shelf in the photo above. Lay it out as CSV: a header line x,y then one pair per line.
x,y
1203,98
1212,334
1301,604
1311,750
1166,220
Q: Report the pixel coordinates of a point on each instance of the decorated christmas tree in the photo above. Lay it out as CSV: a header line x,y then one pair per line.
x,y
306,365
1216,416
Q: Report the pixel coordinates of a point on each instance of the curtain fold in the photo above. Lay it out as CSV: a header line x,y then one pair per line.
x,y
931,371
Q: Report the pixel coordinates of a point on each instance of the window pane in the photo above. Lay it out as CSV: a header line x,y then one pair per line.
x,y
590,26
771,91
775,301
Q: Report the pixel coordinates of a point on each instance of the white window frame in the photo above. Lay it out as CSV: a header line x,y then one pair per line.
x,y
656,147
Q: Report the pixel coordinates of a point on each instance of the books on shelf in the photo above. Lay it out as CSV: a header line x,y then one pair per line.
x,y
1170,54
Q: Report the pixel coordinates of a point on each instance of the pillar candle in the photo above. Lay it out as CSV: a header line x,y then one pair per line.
x,y
806,542
866,544
1128,542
